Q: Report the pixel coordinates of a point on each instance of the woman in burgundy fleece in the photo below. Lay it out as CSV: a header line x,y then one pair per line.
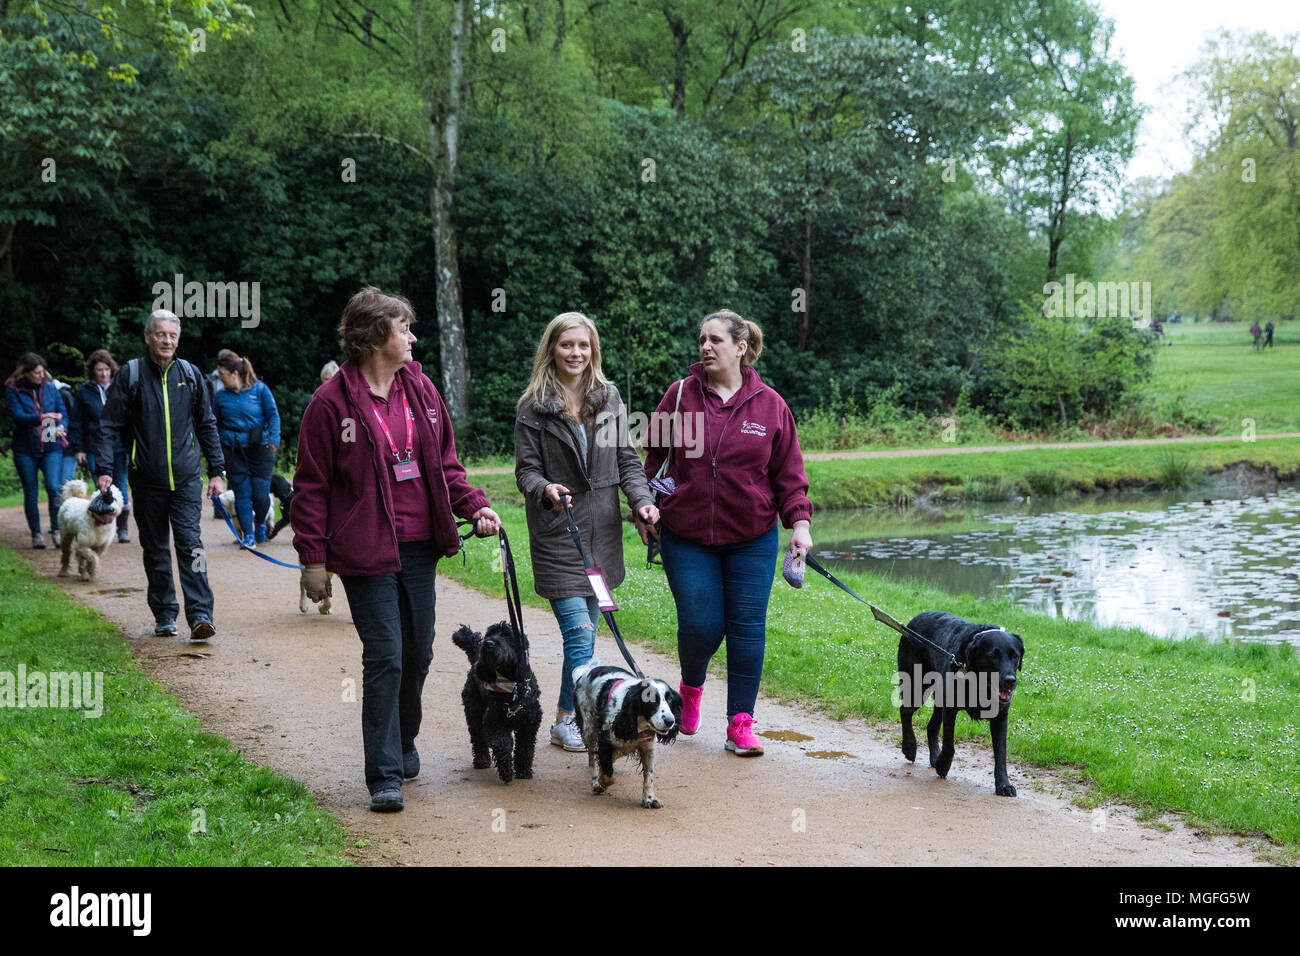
x,y
719,527
376,495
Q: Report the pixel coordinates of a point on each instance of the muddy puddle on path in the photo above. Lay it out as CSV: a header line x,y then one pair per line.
x,y
1173,566
118,592
791,735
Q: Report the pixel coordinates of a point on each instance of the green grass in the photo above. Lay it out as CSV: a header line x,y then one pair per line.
x,y
1228,333
126,788
1232,382
1161,725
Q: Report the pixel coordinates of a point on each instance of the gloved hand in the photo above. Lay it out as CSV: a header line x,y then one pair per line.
x,y
316,582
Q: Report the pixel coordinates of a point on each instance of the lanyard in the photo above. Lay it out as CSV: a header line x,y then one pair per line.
x,y
406,407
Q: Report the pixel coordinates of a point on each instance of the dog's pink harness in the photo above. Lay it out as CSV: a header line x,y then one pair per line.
x,y
609,702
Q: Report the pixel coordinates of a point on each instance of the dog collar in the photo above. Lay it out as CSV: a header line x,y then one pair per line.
x,y
105,519
500,685
993,630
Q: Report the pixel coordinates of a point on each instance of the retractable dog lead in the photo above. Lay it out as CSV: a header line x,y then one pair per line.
x,y
515,607
599,588
880,615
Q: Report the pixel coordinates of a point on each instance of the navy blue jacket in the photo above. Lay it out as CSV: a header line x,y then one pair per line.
x,y
26,405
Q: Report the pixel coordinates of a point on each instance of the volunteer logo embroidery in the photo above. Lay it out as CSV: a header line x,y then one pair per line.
x,y
753,428
433,415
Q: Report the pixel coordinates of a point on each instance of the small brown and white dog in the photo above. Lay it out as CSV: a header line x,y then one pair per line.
x,y
88,524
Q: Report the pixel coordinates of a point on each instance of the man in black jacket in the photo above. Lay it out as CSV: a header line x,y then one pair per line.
x,y
158,406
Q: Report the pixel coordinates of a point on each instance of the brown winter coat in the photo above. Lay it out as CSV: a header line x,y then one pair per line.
x,y
547,451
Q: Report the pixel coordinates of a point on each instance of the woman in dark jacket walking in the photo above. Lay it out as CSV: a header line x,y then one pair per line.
x,y
571,440
91,399
719,535
376,496
40,421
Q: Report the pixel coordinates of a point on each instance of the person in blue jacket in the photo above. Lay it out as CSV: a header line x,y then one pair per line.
x,y
40,421
249,424
91,399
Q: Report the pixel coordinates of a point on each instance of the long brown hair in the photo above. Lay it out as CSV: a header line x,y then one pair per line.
x,y
28,363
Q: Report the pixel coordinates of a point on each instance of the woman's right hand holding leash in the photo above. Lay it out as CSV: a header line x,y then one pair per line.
x,y
553,492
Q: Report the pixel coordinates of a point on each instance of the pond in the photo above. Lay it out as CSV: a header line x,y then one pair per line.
x,y
1174,566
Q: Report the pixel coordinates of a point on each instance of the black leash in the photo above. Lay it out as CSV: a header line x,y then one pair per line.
x,y
586,563
511,581
880,615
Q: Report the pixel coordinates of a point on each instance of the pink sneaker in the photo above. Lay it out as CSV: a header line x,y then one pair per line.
x,y
740,737
690,708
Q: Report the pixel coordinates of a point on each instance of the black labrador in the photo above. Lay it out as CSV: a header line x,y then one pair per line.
x,y
991,656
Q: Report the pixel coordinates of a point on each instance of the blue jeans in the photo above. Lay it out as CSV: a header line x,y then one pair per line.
x,y
393,614
722,592
68,469
578,617
249,470
30,469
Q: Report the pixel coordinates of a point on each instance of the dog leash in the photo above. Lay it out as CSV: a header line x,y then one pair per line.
x,y
586,563
511,581
221,511
880,615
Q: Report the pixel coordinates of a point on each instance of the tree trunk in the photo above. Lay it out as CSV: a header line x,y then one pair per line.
x,y
6,248
680,37
444,142
806,265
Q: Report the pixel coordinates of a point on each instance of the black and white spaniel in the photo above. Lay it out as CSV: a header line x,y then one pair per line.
x,y
621,715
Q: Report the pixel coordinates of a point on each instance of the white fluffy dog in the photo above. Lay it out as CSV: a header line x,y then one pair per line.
x,y
90,533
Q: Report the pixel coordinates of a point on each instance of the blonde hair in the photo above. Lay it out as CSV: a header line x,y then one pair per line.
x,y
544,384
740,330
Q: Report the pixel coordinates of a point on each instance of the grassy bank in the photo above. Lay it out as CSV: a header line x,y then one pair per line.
x,y
141,784
991,476
997,476
1164,726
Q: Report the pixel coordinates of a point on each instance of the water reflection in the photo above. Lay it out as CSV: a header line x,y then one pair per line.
x,y
1171,567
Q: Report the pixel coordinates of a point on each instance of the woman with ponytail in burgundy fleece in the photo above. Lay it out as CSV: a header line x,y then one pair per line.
x,y
719,527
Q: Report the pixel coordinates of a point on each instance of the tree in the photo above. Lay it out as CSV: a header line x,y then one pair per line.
x,y
844,131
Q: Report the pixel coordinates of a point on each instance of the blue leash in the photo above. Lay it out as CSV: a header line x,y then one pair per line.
x,y
221,510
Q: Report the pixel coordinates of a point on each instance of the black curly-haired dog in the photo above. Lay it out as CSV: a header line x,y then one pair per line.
x,y
992,655
503,707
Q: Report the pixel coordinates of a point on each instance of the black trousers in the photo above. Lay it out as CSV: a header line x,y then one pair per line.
x,y
159,511
393,614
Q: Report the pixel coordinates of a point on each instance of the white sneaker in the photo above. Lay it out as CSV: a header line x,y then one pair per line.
x,y
567,735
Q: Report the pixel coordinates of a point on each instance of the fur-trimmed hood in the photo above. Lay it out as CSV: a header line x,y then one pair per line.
x,y
592,403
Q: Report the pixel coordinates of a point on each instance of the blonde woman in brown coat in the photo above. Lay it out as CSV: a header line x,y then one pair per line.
x,y
571,440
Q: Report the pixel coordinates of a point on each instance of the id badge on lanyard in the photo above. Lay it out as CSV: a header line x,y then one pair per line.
x,y
405,467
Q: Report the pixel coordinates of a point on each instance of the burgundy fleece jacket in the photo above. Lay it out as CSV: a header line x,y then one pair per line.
x,y
342,508
750,470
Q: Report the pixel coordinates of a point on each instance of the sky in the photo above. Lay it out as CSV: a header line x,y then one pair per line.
x,y
1157,40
